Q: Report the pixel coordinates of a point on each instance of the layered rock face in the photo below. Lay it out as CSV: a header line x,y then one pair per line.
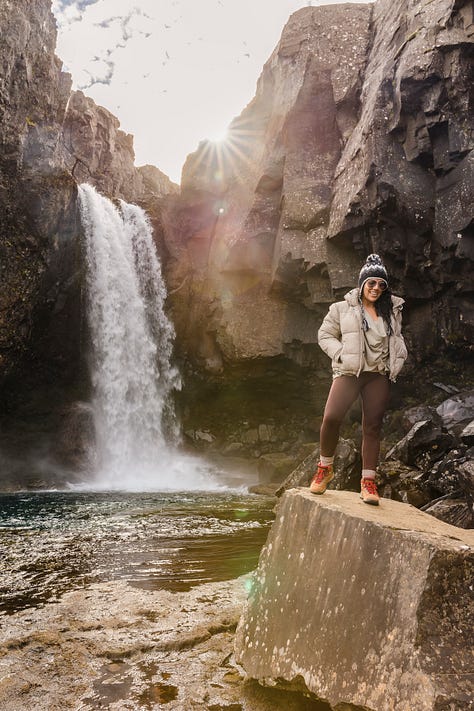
x,y
96,151
249,225
359,139
36,193
376,605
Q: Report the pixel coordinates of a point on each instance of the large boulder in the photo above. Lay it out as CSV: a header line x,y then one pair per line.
x,y
363,607
425,442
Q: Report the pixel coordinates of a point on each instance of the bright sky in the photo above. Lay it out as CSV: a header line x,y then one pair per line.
x,y
173,71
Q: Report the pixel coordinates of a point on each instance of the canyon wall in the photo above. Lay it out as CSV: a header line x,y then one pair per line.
x,y
359,139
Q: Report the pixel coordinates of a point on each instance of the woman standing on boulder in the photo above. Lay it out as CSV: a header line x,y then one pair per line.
x,y
362,336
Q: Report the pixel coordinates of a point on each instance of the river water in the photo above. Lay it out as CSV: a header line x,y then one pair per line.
x,y
59,541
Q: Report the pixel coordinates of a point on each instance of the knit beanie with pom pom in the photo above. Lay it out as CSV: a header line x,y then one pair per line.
x,y
373,268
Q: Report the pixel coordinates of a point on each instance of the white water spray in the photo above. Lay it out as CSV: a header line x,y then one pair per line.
x,y
131,347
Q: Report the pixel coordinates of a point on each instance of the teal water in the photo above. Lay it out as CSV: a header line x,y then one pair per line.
x,y
53,542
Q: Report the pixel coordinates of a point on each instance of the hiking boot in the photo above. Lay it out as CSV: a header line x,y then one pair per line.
x,y
368,492
321,479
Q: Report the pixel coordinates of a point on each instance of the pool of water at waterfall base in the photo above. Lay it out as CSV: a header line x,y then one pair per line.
x,y
53,542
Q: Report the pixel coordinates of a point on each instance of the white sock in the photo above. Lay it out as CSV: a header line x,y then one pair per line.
x,y
368,473
326,461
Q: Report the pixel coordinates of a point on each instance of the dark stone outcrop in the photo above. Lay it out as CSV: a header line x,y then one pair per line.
x,y
376,603
40,297
37,211
424,442
438,475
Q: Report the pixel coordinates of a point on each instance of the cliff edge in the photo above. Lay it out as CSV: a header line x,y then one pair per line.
x,y
362,607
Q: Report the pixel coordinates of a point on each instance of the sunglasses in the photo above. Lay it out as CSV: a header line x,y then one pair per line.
x,y
372,283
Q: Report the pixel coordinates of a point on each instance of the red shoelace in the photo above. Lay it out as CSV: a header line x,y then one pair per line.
x,y
370,486
320,474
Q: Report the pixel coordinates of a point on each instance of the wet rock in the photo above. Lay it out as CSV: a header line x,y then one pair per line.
x,y
347,468
75,445
111,645
425,442
457,411
467,434
402,483
274,467
412,572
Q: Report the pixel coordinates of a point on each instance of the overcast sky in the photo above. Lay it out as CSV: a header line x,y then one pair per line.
x,y
173,71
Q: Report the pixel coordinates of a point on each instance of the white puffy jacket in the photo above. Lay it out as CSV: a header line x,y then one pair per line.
x,y
341,336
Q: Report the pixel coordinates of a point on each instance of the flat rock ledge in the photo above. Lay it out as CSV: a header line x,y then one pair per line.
x,y
363,607
113,646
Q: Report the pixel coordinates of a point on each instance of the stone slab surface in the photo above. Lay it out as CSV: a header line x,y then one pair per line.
x,y
367,606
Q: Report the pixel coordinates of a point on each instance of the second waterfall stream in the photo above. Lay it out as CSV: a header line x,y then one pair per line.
x,y
131,343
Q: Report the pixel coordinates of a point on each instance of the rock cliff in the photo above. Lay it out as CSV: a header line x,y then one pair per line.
x,y
359,139
98,152
36,192
376,602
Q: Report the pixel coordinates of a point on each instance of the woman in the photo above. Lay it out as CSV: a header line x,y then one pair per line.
x,y
362,336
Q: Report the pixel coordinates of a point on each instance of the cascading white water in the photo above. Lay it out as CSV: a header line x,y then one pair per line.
x,y
130,360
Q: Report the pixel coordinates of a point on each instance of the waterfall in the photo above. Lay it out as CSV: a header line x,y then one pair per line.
x,y
130,355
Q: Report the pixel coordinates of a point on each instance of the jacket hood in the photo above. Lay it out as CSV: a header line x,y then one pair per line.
x,y
352,298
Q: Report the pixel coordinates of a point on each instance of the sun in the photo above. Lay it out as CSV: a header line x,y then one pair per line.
x,y
220,135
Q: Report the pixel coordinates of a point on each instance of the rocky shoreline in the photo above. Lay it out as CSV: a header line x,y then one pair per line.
x,y
114,646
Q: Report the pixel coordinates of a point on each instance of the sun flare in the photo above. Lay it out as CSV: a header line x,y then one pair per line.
x,y
232,153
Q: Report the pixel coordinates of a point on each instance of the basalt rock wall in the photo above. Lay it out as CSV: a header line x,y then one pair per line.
x,y
359,139
36,193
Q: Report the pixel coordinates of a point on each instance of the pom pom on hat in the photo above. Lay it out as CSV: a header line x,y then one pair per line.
x,y
373,268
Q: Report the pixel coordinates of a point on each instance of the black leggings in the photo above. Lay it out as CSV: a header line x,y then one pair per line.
x,y
374,390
